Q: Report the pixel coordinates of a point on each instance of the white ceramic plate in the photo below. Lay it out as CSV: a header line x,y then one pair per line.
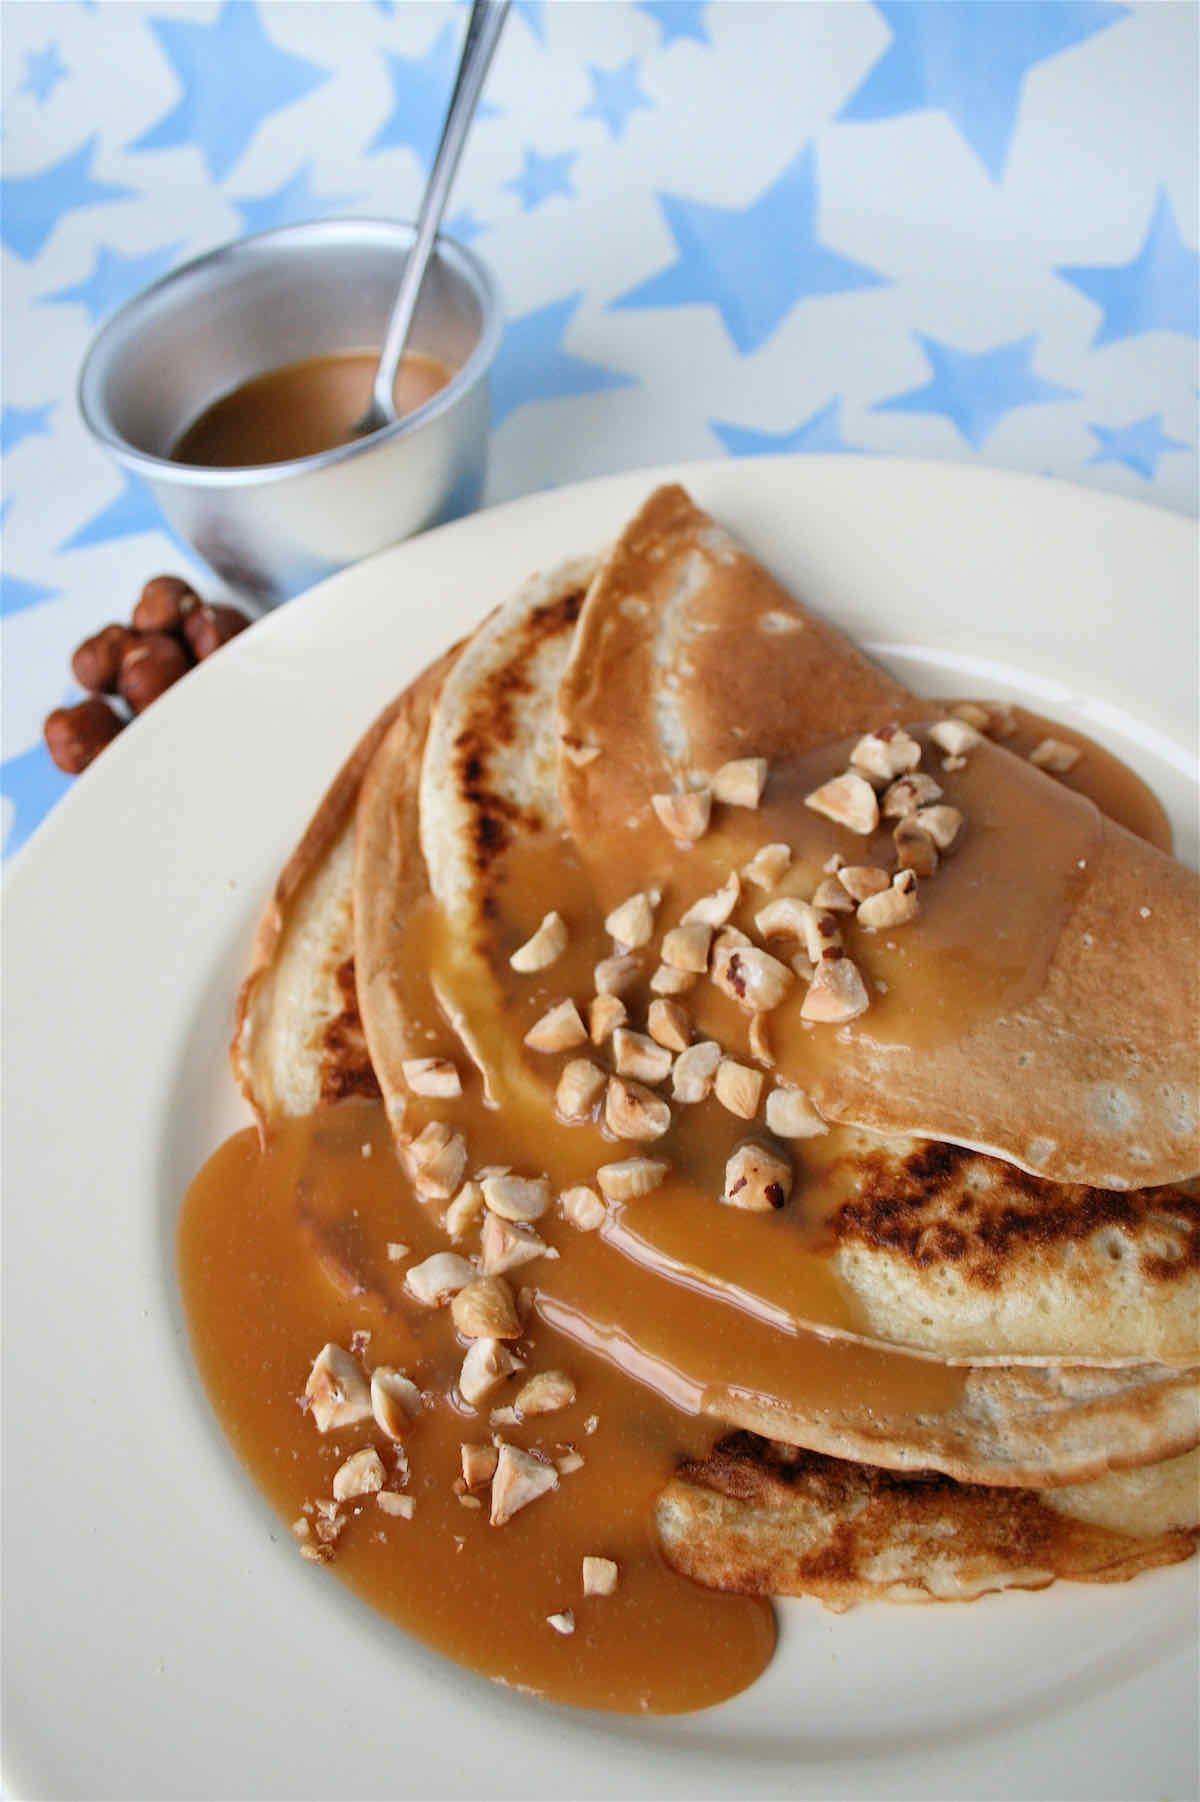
x,y
162,1638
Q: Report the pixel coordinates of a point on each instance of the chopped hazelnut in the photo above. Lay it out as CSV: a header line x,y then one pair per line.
x,y
767,865
687,947
435,1076
915,849
478,1461
715,909
519,1479
403,1506
578,1088
848,800
544,948
757,1178
633,1112
955,736
632,923
1055,757
631,1178
692,1078
895,907
669,1025
437,1278
599,1576
505,1244
464,1210
730,936
579,753
616,975
517,1197
830,895
437,1158
605,1014
791,1115
759,1041
361,1474
558,1029
634,1054
582,1207
837,992
486,1309
862,879
570,1462
753,978
395,1401
487,1363
666,980
786,917
974,713
562,1622
943,824
886,753
738,1087
336,1390
685,816
909,793
741,782
1003,722
545,1393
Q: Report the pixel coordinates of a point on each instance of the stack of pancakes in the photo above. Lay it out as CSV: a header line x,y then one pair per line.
x,y
1005,1189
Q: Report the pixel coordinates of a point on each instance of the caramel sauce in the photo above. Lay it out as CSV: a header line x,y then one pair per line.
x,y
675,1307
260,1305
301,409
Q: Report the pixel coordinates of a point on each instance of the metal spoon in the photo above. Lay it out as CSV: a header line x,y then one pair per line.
x,y
483,34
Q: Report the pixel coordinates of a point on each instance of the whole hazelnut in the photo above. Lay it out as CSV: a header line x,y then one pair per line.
x,y
94,663
149,667
164,604
74,735
209,626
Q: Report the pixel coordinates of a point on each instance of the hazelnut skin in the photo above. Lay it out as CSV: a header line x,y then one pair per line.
x,y
209,626
95,663
149,667
75,735
164,604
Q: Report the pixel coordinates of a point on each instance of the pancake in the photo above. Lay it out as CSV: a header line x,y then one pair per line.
x,y
764,1519
467,784
687,655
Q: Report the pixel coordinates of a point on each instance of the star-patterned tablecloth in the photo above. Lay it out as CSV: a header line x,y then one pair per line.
x,y
959,229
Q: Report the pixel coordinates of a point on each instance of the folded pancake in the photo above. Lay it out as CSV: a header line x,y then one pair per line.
x,y
1076,1054
765,1519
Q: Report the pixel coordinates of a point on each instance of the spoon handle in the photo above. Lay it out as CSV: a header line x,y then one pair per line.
x,y
483,35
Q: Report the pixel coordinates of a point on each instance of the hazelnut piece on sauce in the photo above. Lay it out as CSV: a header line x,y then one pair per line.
x,y
76,735
208,626
149,666
96,662
757,1178
164,604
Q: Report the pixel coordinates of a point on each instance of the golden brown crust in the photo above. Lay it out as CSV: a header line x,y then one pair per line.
x,y
760,1518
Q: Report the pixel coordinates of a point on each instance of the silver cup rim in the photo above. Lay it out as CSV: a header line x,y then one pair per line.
x,y
116,328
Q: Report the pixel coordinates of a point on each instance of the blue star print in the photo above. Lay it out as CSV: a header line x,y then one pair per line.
x,y
115,278
232,78
753,263
17,423
677,19
531,12
464,226
542,177
16,594
32,205
615,94
32,784
969,59
420,88
1159,291
131,513
44,69
294,200
975,389
1138,446
532,365
821,431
